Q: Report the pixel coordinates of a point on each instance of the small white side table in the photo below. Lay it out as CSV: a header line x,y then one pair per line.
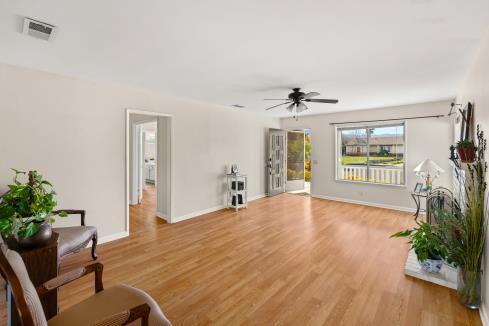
x,y
237,191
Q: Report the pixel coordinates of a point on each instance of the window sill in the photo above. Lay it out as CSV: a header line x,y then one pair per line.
x,y
371,183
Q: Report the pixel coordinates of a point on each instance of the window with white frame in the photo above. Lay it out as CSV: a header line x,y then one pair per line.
x,y
371,153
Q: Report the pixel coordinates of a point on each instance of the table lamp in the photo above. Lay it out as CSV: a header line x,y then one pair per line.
x,y
428,170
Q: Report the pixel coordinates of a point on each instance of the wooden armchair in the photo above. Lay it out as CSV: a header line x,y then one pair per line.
x,y
74,238
118,305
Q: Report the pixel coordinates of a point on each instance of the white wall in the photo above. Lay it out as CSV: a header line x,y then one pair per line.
x,y
475,89
73,132
425,138
163,167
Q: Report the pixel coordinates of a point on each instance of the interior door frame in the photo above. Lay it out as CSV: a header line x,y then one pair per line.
x,y
137,158
137,148
171,161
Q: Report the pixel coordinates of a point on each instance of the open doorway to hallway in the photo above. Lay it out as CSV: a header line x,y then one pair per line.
x,y
142,210
149,171
299,162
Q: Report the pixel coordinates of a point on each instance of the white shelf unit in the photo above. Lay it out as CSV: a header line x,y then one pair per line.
x,y
239,193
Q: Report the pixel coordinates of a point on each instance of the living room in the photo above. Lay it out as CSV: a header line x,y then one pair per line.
x,y
389,97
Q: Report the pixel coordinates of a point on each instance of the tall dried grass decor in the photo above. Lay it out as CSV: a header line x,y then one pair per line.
x,y
464,231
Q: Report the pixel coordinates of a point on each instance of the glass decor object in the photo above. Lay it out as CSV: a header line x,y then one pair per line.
x,y
469,288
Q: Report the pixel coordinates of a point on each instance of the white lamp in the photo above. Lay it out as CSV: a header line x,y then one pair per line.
x,y
428,170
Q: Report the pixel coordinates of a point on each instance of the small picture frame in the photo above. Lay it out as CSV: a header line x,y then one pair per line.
x,y
418,188
234,169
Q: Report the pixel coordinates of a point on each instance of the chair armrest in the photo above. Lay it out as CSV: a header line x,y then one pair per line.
x,y
81,212
71,276
127,316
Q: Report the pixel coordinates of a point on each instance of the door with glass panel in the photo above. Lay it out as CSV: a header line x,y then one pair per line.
x,y
276,161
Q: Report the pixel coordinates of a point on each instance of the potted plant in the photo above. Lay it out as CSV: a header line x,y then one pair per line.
x,y
26,210
427,245
466,150
464,232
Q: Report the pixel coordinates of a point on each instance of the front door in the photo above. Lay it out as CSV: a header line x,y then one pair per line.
x,y
276,162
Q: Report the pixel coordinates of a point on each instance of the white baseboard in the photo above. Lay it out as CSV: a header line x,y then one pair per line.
x,y
162,216
111,237
197,213
366,203
483,315
209,210
257,197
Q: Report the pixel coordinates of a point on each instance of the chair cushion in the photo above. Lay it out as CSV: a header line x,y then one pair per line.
x,y
74,238
107,303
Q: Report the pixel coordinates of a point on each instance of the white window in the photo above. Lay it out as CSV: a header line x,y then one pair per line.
x,y
371,153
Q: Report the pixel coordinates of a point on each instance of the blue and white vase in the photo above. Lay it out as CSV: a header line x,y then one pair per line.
x,y
432,265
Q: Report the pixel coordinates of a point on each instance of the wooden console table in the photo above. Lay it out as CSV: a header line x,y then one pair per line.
x,y
42,265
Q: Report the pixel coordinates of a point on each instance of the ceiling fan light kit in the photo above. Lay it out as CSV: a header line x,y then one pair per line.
x,y
296,101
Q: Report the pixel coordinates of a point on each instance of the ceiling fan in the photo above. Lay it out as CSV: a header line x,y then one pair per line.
x,y
296,99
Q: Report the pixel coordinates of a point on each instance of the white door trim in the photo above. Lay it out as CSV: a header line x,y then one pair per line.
x,y
135,158
128,158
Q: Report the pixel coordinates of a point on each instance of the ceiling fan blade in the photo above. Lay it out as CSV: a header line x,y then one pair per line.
x,y
319,100
277,105
310,94
275,99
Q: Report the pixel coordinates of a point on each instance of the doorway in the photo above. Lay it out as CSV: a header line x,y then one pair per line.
x,y
148,170
299,162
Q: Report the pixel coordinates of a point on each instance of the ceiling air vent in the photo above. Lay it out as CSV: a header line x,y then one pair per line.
x,y
39,29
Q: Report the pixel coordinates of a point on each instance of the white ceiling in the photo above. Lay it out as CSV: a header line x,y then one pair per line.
x,y
365,53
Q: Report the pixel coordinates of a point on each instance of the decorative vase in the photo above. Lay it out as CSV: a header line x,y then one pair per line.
x,y
467,155
432,265
39,239
469,288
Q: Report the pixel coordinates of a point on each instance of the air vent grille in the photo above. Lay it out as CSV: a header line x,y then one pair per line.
x,y
38,29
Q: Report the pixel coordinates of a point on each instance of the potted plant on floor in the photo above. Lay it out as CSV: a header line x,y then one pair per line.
x,y
466,150
427,244
26,210
465,232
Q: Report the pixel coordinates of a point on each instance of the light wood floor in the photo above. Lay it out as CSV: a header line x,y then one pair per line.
x,y
286,260
142,217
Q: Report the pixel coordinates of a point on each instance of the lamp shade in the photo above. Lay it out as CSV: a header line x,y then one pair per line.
x,y
428,167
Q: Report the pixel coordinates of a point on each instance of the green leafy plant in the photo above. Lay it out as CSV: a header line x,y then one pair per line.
x,y
465,144
465,231
425,240
26,205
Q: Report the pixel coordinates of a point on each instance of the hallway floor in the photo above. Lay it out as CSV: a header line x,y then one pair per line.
x,y
143,217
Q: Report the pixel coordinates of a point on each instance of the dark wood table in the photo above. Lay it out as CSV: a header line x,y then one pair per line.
x,y
42,264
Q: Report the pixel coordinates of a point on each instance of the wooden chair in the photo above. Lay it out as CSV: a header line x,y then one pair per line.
x,y
117,305
74,238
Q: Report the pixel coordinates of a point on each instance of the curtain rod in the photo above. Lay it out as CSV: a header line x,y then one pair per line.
x,y
380,120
